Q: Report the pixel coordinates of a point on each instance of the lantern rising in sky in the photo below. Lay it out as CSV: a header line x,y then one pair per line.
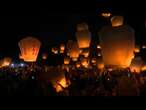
x,y
83,35
117,21
74,51
44,56
106,14
117,44
5,62
29,48
137,49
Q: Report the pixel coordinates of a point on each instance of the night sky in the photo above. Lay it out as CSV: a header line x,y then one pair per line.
x,y
56,21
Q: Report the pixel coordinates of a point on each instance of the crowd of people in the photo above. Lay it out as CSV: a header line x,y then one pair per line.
x,y
83,82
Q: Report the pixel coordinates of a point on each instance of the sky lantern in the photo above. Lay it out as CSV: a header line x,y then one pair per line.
x,y
136,64
85,62
117,45
29,48
44,56
78,64
62,83
56,77
85,52
143,67
74,51
117,21
5,62
54,50
62,48
94,61
144,47
98,47
106,14
66,60
83,35
137,49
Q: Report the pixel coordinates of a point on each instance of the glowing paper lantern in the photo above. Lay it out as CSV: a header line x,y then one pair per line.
x,y
56,77
143,68
55,50
78,65
136,65
29,49
62,47
85,52
85,62
44,56
82,27
62,83
83,36
5,62
137,49
66,60
99,54
98,47
94,61
117,21
117,45
74,51
144,47
106,15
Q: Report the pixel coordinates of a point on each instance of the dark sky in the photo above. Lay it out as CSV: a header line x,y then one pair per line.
x,y
55,21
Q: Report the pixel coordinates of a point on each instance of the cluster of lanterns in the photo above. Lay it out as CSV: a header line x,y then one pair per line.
x,y
117,48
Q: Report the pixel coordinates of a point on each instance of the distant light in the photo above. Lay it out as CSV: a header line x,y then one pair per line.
x,y
12,65
21,64
33,77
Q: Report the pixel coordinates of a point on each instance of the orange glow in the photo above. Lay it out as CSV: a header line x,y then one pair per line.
x,y
85,53
29,49
81,50
144,47
99,54
143,68
55,50
62,47
5,62
100,66
61,51
137,49
98,47
60,84
117,21
82,27
85,63
94,60
44,56
66,60
110,69
136,65
83,35
106,15
117,45
135,69
78,65
74,59
74,51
